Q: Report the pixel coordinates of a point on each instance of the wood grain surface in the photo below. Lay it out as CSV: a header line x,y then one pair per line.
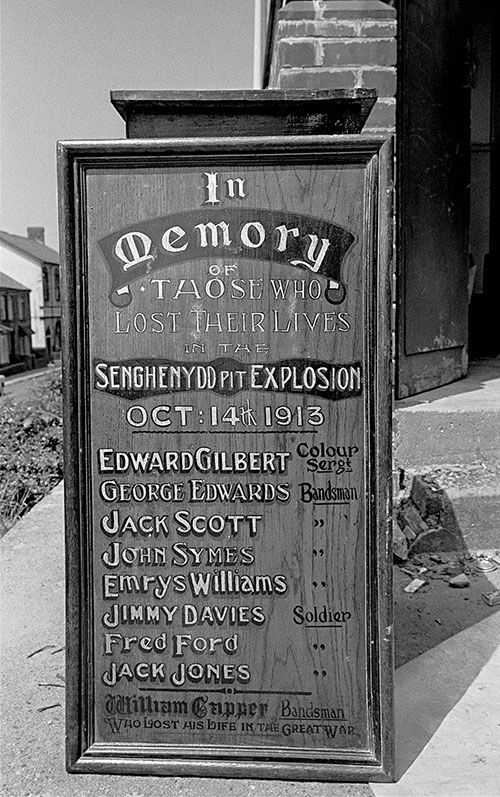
x,y
227,456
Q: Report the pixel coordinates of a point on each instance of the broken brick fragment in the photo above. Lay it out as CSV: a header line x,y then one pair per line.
x,y
399,543
459,582
410,516
432,540
426,495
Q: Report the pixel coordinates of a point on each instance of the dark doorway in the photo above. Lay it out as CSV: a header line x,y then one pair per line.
x,y
433,155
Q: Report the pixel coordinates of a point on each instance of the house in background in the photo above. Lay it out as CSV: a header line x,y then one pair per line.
x,y
36,266
15,327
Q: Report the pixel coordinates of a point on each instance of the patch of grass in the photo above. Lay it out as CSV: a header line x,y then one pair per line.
x,y
30,450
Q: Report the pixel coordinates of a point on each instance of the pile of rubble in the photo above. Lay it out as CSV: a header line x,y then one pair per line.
x,y
428,544
457,570
424,520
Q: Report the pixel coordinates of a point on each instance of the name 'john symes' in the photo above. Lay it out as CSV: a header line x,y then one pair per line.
x,y
179,554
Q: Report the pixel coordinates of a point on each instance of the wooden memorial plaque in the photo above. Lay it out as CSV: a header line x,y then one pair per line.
x,y
227,378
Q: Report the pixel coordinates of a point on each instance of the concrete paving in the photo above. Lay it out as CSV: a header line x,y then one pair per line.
x,y
447,718
447,712
455,424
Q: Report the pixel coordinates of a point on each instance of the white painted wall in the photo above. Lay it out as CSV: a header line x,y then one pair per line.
x,y
28,272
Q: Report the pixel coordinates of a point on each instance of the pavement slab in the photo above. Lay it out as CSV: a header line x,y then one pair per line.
x,y
447,718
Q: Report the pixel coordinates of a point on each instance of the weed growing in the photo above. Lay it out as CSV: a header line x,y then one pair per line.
x,y
30,450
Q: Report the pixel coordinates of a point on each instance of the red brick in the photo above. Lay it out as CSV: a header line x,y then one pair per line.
x,y
333,29
384,80
317,79
297,53
362,52
338,9
377,30
337,28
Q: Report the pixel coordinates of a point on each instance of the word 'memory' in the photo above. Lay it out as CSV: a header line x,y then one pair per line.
x,y
203,459
175,240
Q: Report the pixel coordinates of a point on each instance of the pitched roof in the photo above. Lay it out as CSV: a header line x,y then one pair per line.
x,y
10,284
30,247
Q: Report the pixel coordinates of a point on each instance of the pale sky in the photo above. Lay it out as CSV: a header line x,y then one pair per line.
x,y
61,58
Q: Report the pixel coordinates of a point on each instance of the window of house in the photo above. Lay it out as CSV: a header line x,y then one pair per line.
x,y
21,307
57,336
48,341
3,307
46,288
10,307
57,284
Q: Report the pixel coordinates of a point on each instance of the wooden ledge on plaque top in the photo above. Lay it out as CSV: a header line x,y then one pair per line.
x,y
162,114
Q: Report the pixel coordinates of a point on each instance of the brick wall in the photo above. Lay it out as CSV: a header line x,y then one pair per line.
x,y
327,44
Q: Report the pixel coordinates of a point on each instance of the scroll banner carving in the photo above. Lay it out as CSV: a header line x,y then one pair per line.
x,y
308,243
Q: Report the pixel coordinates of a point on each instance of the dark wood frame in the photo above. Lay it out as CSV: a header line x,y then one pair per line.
x,y
83,755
